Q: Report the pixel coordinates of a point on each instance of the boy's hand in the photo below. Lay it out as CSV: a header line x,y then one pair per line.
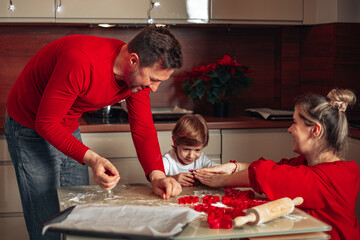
x,y
185,179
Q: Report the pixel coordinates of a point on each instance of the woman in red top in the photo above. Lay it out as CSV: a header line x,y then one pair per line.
x,y
328,184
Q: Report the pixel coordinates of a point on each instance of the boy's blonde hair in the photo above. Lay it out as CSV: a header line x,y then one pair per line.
x,y
191,130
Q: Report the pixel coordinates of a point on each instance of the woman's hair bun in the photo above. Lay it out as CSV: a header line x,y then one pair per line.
x,y
341,98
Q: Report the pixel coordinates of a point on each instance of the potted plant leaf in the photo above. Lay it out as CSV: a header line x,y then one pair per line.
x,y
217,82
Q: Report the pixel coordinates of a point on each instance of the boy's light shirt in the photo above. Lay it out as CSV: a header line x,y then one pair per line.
x,y
172,165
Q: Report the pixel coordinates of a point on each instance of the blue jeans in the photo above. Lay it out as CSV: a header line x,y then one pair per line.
x,y
40,168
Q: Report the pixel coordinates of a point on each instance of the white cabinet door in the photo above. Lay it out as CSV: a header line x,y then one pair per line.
x,y
9,197
104,11
178,11
257,11
4,153
325,11
12,223
27,11
110,145
13,227
212,150
248,145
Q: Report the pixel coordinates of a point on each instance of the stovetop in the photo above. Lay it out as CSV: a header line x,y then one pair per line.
x,y
124,120
104,120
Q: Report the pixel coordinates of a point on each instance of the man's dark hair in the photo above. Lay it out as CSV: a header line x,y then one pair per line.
x,y
157,43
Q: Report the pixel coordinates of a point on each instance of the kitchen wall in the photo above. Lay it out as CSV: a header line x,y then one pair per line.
x,y
286,61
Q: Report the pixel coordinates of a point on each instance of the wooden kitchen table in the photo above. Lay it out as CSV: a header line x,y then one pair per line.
x,y
298,224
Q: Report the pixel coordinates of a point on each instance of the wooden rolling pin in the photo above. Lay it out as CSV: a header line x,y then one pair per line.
x,y
268,211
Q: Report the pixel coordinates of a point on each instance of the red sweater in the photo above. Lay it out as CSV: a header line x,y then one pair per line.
x,y
73,75
329,189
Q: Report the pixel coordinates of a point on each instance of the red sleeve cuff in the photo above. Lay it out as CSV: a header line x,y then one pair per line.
x,y
252,176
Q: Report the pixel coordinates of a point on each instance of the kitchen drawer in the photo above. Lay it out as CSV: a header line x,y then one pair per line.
x,y
131,171
120,144
105,11
10,197
181,11
248,145
213,147
27,11
284,11
13,227
110,145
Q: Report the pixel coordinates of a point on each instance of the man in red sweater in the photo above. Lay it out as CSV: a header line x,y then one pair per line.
x,y
66,78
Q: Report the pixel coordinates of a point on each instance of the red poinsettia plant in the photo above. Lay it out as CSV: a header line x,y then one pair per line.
x,y
217,81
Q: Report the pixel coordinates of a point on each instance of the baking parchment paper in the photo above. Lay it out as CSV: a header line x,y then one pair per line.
x,y
160,221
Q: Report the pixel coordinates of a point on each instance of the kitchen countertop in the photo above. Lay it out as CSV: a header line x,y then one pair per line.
x,y
141,194
244,122
213,123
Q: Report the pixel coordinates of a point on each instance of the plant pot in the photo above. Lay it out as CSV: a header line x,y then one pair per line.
x,y
221,109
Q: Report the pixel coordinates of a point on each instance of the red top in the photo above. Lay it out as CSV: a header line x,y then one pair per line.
x,y
329,189
73,75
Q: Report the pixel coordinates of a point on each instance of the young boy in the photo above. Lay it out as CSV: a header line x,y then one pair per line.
x,y
190,135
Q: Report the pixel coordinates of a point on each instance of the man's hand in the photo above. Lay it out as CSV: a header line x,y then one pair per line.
x,y
185,179
105,174
163,186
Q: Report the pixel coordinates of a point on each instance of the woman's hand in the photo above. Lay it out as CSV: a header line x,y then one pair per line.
x,y
105,173
212,179
226,168
185,179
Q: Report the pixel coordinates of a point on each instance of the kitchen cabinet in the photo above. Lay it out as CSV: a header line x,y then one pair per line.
x,y
12,223
181,11
248,145
257,11
118,147
105,11
331,11
269,12
132,11
27,11
354,154
284,12
224,144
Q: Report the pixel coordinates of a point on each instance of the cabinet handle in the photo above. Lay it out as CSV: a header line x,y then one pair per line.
x,y
11,6
59,7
